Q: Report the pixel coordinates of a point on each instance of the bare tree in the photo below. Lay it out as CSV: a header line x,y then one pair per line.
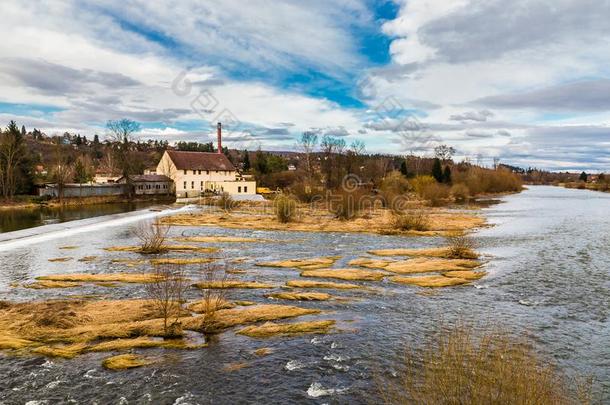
x,y
166,292
307,143
152,235
444,153
331,148
214,276
122,132
62,172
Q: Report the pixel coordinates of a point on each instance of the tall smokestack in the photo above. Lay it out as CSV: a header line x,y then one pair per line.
x,y
219,132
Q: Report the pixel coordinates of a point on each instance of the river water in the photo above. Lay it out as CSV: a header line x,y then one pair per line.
x,y
549,279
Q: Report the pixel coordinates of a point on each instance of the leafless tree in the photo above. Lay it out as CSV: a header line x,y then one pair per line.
x,y
11,155
121,131
331,148
166,292
307,143
214,276
444,153
152,235
62,171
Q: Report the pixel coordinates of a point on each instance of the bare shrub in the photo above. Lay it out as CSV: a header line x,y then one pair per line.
x,y
213,274
461,247
166,293
347,204
226,202
460,192
435,193
411,221
393,186
285,208
456,367
152,235
420,183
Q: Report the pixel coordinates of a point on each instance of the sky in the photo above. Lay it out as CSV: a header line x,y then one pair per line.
x,y
525,81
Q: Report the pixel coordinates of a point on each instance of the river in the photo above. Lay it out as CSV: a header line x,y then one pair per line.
x,y
549,279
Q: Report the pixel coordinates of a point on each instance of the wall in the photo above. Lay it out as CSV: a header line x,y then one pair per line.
x,y
239,187
85,190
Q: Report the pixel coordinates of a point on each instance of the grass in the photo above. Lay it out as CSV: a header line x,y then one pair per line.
x,y
60,259
465,274
460,247
303,264
415,221
345,274
124,361
96,278
270,329
87,259
285,208
171,248
228,284
178,261
322,284
44,284
457,366
300,296
427,265
442,252
218,239
430,281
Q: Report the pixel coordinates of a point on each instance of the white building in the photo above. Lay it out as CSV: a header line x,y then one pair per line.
x,y
196,172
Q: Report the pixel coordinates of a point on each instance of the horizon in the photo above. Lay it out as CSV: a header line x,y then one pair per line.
x,y
527,84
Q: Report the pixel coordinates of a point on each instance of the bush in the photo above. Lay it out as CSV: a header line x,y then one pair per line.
x,y
392,187
415,221
152,236
460,192
346,205
435,193
420,183
455,366
226,202
482,181
285,208
461,247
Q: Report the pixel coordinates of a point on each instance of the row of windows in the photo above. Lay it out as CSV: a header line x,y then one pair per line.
x,y
152,186
201,186
207,172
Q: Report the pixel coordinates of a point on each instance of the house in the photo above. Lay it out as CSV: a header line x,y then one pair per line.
x,y
105,177
148,184
195,173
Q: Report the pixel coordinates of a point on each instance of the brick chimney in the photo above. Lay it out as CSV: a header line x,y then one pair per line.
x,y
219,132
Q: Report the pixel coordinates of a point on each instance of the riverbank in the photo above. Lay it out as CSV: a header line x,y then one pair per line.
x,y
32,202
603,187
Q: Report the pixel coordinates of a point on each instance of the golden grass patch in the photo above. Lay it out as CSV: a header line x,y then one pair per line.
x,y
68,247
101,277
270,329
197,260
322,284
60,259
171,248
13,343
263,351
124,361
300,296
369,263
465,274
218,239
229,284
63,351
303,264
226,318
441,252
345,274
87,259
427,265
202,306
430,281
44,284
230,367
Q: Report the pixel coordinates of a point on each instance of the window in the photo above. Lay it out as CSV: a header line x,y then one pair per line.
x,y
192,185
239,189
184,185
201,185
198,171
245,189
207,172
185,172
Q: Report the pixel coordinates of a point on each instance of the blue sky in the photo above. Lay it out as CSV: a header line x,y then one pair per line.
x,y
527,83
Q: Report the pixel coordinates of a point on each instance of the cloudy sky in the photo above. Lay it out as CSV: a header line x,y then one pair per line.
x,y
527,81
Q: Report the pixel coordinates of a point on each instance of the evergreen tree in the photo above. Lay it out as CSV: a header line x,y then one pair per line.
x,y
447,175
437,170
80,172
403,168
23,130
583,176
260,163
246,161
96,140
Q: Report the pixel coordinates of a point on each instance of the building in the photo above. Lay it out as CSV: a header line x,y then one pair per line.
x,y
150,184
195,173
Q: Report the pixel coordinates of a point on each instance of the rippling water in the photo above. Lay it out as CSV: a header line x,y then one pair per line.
x,y
549,279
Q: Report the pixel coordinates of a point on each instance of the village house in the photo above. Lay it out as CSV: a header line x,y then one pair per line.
x,y
149,184
195,173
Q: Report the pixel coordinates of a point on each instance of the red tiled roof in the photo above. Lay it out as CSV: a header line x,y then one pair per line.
x,y
200,160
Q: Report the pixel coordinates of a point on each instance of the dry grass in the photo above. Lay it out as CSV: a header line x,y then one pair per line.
x,y
345,274
465,274
411,221
103,277
314,219
460,247
63,351
177,261
44,284
61,259
442,252
142,342
322,284
300,296
204,306
87,259
171,248
70,247
303,264
124,361
263,351
286,209
455,366
219,239
426,265
430,281
270,329
227,284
